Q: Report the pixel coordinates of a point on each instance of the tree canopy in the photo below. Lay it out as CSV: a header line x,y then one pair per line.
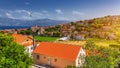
x,y
13,55
26,32
101,57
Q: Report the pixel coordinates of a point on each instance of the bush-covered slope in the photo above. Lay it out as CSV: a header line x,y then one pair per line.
x,y
107,27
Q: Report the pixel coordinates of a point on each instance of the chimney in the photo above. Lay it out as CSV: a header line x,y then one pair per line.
x,y
34,45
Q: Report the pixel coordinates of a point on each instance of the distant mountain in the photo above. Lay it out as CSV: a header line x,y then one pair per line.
x,y
38,22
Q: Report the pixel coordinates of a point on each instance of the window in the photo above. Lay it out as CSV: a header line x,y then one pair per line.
x,y
37,57
27,40
55,60
31,48
27,49
78,61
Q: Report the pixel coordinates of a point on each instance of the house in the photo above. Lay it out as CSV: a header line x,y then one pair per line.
x,y
34,28
79,37
21,29
24,40
41,31
8,31
64,38
58,55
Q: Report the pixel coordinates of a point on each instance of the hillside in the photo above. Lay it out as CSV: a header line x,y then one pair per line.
x,y
107,27
39,22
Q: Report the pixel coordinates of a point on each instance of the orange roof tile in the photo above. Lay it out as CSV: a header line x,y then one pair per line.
x,y
64,51
22,39
27,43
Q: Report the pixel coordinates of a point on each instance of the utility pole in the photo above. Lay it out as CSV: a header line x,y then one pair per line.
x,y
30,15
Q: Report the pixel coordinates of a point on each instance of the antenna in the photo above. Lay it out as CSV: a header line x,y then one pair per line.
x,y
30,15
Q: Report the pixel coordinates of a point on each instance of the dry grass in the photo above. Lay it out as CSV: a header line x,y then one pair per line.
x,y
98,42
72,42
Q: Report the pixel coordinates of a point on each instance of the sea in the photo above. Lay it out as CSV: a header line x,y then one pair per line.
x,y
13,27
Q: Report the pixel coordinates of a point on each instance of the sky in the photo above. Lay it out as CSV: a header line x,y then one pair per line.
x,y
71,10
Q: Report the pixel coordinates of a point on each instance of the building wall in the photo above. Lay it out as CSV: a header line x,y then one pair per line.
x,y
54,61
29,49
80,58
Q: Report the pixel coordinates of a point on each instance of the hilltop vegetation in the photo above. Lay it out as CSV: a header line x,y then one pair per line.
x,y
105,27
101,57
97,32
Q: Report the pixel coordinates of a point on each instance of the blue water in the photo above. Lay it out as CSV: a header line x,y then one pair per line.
x,y
13,27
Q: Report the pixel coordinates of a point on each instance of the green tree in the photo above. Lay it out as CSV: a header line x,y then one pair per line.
x,y
26,32
72,23
22,32
101,57
13,55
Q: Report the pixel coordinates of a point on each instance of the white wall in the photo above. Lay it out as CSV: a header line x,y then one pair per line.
x,y
80,58
29,49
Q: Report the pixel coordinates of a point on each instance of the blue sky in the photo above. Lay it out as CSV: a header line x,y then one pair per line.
x,y
58,9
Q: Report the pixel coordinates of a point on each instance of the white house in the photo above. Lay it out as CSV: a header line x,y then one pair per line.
x,y
63,39
24,40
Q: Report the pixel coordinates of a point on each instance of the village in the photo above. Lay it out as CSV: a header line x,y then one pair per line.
x,y
59,34
63,45
49,54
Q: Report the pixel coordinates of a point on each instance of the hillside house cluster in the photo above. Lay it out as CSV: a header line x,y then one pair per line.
x,y
8,31
65,30
12,31
39,29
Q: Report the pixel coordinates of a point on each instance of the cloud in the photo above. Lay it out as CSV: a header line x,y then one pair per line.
x,y
9,15
59,11
37,13
25,14
44,11
23,11
62,18
24,17
18,14
1,10
77,13
27,3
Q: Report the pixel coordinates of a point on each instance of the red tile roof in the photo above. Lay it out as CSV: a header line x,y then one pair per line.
x,y
27,43
22,39
64,51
